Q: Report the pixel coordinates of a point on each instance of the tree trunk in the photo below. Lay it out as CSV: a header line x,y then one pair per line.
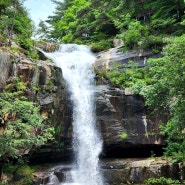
x,y
2,162
10,33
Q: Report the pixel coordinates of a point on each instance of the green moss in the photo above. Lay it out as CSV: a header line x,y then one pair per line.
x,y
23,176
161,181
123,135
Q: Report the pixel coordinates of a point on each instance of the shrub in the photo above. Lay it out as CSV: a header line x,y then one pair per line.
x,y
95,48
135,35
123,135
101,45
161,181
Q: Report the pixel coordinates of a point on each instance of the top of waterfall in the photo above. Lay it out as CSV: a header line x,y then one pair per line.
x,y
68,48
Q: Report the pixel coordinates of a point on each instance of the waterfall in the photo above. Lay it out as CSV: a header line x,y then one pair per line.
x,y
76,63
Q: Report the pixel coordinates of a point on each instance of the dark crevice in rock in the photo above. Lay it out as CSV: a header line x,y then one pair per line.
x,y
133,151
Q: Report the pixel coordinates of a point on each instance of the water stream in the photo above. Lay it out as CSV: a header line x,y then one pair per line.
x,y
76,64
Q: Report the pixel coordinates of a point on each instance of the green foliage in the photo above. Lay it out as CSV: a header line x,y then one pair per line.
x,y
101,46
135,35
138,23
15,20
165,94
167,15
127,75
22,127
24,174
161,181
81,20
97,48
123,135
15,25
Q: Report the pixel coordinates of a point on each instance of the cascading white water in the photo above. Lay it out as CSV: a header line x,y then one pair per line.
x,y
76,62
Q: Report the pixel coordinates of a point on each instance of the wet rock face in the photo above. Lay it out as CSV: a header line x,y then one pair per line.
x,y
125,125
136,171
105,59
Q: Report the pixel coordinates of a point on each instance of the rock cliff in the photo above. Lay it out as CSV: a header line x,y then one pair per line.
x,y
46,87
105,59
126,127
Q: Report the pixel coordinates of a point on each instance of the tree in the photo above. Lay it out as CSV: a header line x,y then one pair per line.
x,y
95,21
166,94
22,128
50,30
166,15
15,23
81,20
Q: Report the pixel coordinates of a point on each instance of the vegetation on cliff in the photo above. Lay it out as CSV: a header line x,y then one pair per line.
x,y
16,27
22,128
139,25
165,93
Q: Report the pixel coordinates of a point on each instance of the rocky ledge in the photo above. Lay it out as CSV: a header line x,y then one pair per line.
x,y
118,171
136,171
105,59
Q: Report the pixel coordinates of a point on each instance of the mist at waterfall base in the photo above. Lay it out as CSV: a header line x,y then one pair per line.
x,y
76,63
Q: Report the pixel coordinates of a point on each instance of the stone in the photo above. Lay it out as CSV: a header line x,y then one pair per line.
x,y
6,68
129,91
59,174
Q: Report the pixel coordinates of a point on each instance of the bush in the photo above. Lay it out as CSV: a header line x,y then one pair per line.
x,y
95,48
101,46
161,181
155,43
23,176
127,75
135,35
123,135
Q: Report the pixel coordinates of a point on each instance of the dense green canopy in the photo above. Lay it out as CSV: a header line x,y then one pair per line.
x,y
15,23
87,21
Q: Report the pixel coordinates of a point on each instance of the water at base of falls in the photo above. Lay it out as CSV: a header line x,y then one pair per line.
x,y
76,64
